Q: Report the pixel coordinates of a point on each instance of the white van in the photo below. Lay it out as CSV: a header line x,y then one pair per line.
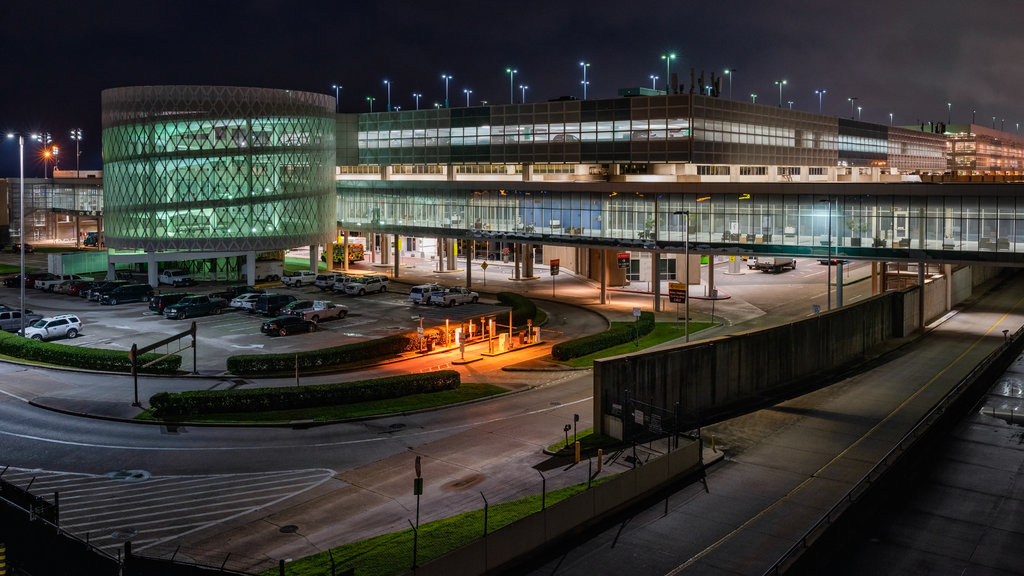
x,y
421,294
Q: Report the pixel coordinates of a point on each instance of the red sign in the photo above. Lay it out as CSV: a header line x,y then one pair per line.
x,y
623,258
554,267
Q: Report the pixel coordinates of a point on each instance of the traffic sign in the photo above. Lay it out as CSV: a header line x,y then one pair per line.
x,y
483,265
623,259
554,267
676,292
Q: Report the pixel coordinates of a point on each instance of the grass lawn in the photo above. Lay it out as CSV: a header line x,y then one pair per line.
x,y
663,332
464,393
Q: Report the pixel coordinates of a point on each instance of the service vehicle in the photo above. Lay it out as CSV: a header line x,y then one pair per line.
x,y
192,306
775,264
319,310
48,284
370,283
287,324
92,239
298,278
176,277
421,294
62,326
355,253
453,296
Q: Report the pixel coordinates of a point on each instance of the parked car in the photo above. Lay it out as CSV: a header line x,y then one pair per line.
x,y
48,284
196,305
92,239
231,292
97,291
10,320
271,304
371,283
834,261
81,286
296,307
341,281
287,324
176,277
319,310
325,281
298,278
127,293
32,277
421,294
160,301
28,248
64,286
453,296
245,301
62,326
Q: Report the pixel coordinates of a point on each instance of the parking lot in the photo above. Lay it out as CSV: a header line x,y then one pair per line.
x,y
233,331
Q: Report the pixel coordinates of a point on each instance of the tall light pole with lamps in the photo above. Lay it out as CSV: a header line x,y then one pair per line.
x,y
76,135
446,78
853,103
753,98
859,108
820,93
337,97
388,84
949,112
780,84
730,72
467,92
654,82
511,85
21,221
417,96
828,253
370,99
584,65
890,118
668,58
523,88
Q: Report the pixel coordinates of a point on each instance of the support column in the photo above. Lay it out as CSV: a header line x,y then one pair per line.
x,y
839,284
528,261
656,280
78,232
344,251
313,263
604,277
250,267
452,260
152,274
920,294
385,243
398,255
712,291
947,269
328,255
469,264
516,256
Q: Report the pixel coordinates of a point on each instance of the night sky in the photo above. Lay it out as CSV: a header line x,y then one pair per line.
x,y
905,57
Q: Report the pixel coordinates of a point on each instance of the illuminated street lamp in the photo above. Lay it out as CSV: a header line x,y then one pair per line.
x,y
446,78
417,97
337,97
949,112
730,72
388,84
21,219
668,58
852,101
654,82
890,118
858,113
511,85
820,93
523,88
467,92
370,99
585,65
780,84
790,104
76,135
753,98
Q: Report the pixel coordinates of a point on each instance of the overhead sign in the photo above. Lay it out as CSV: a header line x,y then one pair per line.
x,y
554,267
676,292
623,259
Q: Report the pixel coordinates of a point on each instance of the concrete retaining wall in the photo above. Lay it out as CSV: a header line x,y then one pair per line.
x,y
516,541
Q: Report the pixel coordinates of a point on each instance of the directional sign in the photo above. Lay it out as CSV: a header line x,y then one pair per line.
x,y
623,259
554,267
676,292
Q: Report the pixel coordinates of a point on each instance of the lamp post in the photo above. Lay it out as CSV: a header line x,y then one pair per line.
x,y
467,92
337,97
686,271
753,98
668,58
21,221
858,113
446,78
584,65
388,84
76,135
780,84
790,102
949,112
417,96
370,99
654,82
828,256
523,87
890,118
511,85
852,100
730,72
820,93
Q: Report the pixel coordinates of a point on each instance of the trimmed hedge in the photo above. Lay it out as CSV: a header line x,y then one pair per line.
x,y
79,357
176,404
619,333
324,358
523,308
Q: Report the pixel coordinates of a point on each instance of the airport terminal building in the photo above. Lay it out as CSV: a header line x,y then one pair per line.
x,y
212,178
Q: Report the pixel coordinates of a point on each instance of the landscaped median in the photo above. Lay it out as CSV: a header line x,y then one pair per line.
x,y
54,354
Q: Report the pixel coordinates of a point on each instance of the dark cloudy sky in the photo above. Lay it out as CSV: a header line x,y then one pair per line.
x,y
906,57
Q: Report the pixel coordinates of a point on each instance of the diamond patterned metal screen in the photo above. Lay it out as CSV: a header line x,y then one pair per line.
x,y
217,168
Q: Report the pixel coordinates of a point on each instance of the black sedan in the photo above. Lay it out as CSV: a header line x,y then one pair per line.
x,y
288,324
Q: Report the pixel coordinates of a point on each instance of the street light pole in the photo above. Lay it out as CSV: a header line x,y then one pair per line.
x,y
654,82
21,223
417,97
780,84
76,135
337,97
467,91
523,88
446,78
511,85
730,73
753,98
820,93
949,112
370,99
388,84
585,65
852,100
890,118
668,58
686,271
858,113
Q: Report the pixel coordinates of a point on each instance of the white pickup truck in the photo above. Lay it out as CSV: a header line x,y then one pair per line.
x,y
453,296
298,278
321,310
48,284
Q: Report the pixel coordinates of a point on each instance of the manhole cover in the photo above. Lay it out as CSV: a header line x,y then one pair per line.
x,y
129,475
289,529
124,533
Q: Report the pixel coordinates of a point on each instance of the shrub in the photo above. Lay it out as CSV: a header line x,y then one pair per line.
x,y
79,357
619,333
523,308
176,404
323,358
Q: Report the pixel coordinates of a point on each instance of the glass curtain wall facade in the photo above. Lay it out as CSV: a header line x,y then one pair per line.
x,y
214,168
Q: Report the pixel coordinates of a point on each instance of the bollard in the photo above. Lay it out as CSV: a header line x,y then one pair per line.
x,y
600,459
3,558
577,452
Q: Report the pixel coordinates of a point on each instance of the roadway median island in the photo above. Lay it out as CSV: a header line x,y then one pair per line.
x,y
17,347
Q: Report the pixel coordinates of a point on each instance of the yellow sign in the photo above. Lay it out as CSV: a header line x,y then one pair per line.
x,y
732,258
483,265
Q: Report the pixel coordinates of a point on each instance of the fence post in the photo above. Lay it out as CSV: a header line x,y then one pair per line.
x,y
543,489
485,513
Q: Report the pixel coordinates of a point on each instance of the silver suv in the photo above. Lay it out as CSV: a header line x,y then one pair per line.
x,y
63,326
370,283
